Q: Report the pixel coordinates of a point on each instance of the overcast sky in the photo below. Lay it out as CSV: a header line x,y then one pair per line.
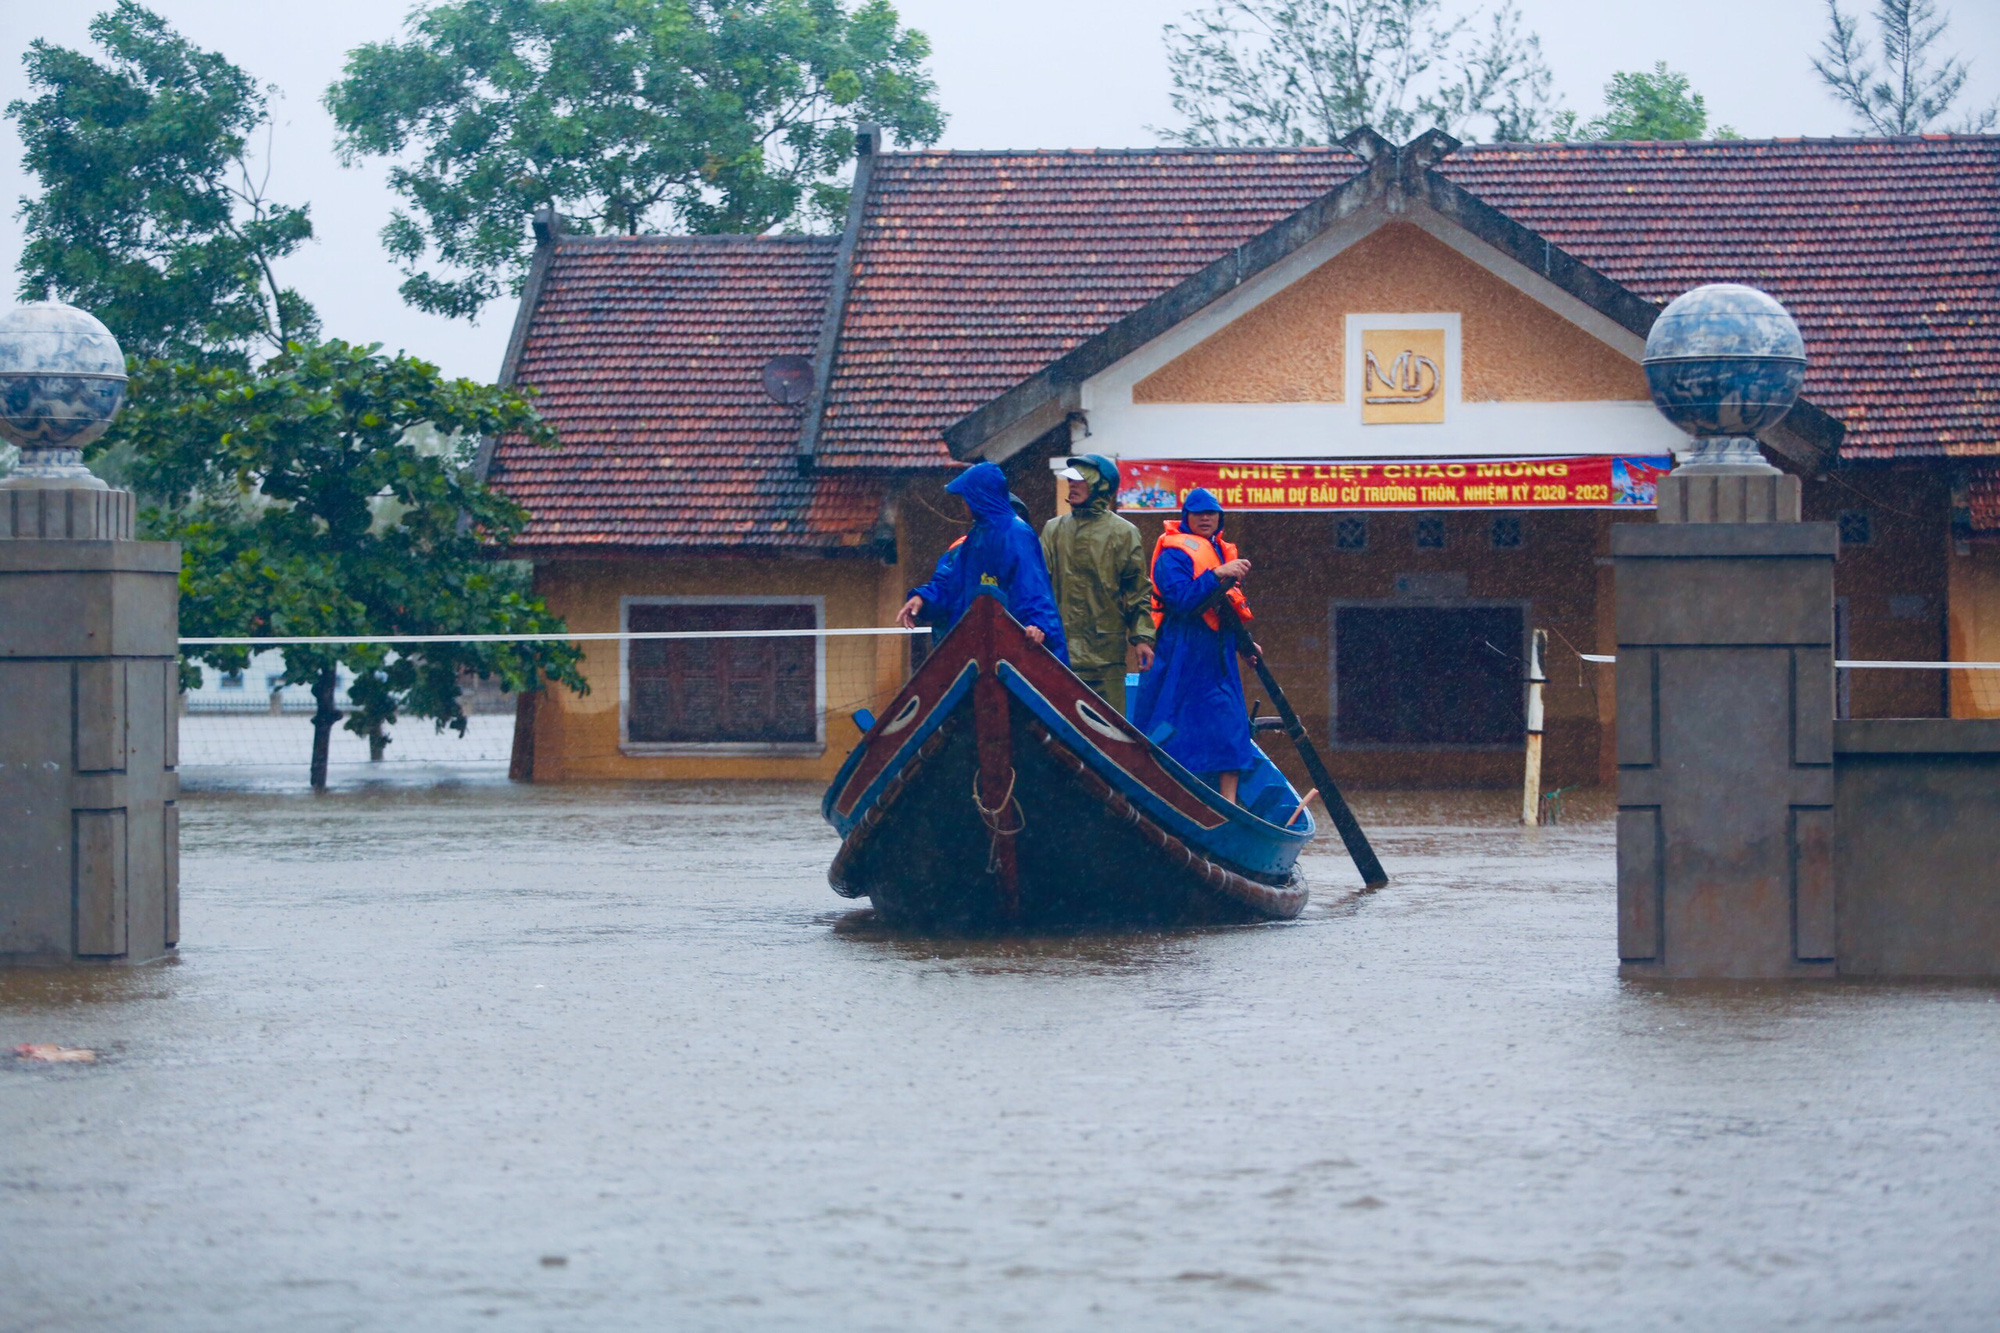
x,y
1019,74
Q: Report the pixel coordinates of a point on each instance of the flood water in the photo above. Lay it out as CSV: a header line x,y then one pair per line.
x,y
482,1056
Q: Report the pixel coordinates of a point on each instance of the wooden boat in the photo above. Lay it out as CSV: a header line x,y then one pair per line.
x,y
999,792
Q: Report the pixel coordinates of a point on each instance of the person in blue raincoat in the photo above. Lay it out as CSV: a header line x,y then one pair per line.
x,y
947,562
1191,702
1001,558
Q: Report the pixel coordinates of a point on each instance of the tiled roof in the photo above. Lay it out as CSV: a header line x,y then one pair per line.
x,y
974,270
1886,251
648,354
1982,495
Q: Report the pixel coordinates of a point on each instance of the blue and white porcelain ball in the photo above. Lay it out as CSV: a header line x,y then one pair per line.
x,y
62,377
1725,360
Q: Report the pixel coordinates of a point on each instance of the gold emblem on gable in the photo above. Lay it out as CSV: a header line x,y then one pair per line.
x,y
1402,376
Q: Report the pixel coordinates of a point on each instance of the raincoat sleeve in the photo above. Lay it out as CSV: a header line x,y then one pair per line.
x,y
939,592
1135,593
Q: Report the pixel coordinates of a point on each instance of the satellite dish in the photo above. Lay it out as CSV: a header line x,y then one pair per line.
x,y
788,379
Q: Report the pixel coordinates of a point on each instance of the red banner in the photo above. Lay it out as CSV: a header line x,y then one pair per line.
x,y
1590,481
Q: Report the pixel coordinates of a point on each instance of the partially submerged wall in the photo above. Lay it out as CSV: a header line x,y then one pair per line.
x,y
1917,847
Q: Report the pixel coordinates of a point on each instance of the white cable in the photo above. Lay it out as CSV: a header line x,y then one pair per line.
x,y
545,638
1860,666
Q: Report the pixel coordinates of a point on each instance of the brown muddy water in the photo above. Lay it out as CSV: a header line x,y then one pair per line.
x,y
478,1056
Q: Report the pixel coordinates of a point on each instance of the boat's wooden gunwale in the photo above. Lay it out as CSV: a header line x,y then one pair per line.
x,y
1225,825
1281,901
864,828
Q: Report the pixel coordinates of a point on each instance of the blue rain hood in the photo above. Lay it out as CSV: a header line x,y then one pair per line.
x,y
983,487
1199,501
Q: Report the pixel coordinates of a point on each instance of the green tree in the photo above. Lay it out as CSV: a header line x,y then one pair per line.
x,y
1911,95
152,214
623,115
1276,73
1660,106
306,506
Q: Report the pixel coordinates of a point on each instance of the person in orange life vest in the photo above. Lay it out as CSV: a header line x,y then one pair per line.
x,y
1191,702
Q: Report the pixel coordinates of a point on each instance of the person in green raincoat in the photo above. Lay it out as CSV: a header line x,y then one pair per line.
x,y
1097,566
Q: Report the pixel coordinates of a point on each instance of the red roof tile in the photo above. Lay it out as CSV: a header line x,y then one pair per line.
x,y
1886,251
974,270
1982,495
648,354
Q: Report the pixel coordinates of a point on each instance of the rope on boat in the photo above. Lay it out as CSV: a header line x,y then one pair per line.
x,y
994,819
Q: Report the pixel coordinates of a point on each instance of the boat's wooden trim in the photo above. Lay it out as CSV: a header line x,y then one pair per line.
x,y
922,705
1282,901
864,828
1135,756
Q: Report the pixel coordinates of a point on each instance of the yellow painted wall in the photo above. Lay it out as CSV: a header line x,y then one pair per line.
x,y
576,736
1975,630
1293,347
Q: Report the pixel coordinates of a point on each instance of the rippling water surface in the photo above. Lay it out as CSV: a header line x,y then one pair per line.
x,y
481,1056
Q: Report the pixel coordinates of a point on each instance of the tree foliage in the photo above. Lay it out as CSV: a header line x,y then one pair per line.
x,y
623,115
1660,105
1256,73
152,215
1908,93
305,506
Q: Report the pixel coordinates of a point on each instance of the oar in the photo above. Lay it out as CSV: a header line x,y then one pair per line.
x,y
1349,827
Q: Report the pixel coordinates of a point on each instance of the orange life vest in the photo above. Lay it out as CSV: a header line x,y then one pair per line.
x,y
1202,551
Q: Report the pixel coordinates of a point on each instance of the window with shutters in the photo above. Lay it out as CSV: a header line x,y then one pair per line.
x,y
712,690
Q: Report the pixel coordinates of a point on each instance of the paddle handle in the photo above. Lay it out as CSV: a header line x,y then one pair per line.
x,y
1344,822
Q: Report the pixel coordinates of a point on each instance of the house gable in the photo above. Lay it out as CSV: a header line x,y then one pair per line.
x,y
1398,182
1292,347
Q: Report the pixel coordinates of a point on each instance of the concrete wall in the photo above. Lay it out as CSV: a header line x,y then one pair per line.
x,y
1917,847
1725,749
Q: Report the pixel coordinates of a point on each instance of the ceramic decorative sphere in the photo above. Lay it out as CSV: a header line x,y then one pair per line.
x,y
1725,360
62,377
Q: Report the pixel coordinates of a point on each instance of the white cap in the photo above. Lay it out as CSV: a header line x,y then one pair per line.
x,y
1068,474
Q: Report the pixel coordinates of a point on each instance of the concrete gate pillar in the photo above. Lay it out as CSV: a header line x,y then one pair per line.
x,y
1725,668
1725,735
90,845
89,695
